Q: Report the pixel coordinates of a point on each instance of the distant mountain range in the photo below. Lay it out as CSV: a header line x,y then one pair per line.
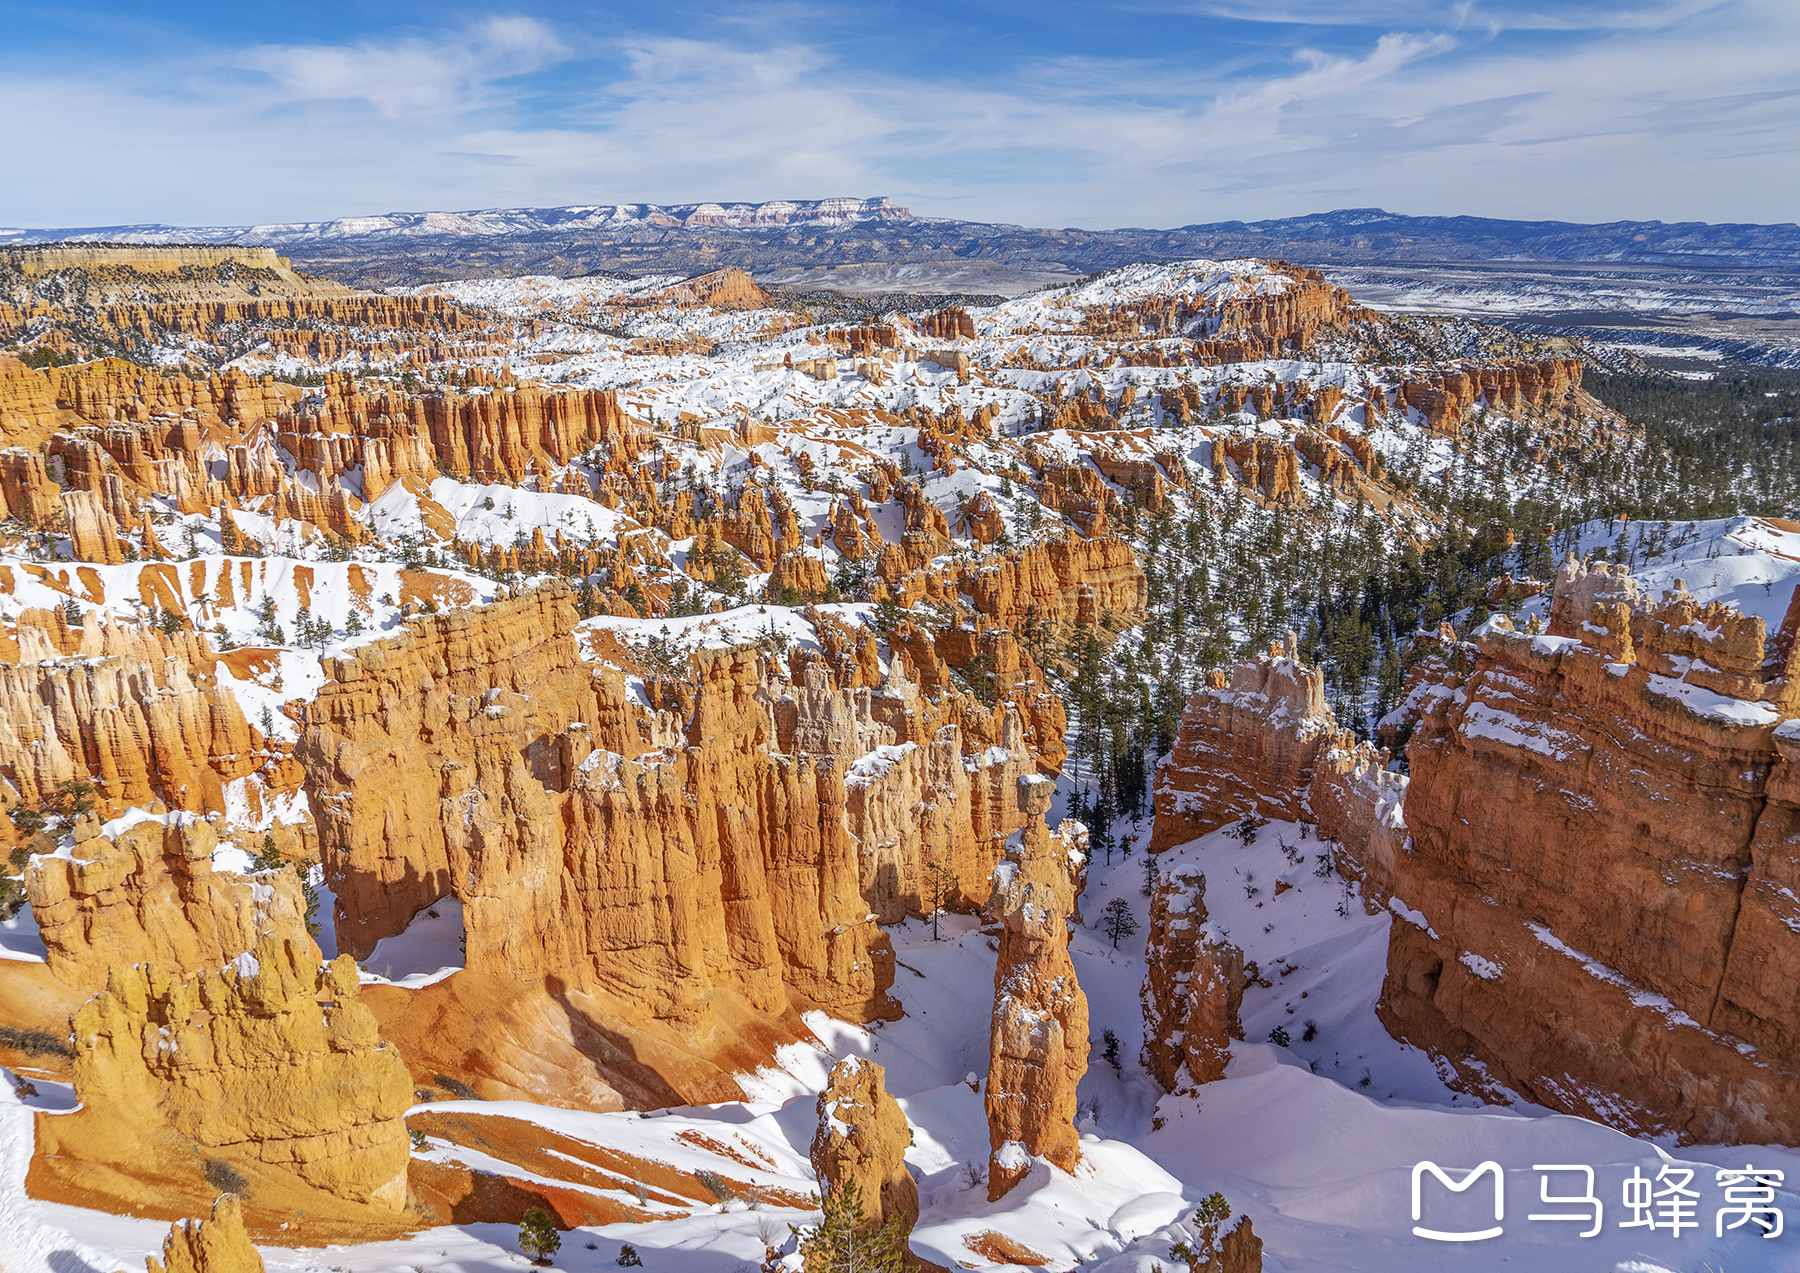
x,y
865,244
493,223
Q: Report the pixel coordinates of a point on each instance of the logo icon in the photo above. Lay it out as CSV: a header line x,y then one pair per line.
x,y
1467,1182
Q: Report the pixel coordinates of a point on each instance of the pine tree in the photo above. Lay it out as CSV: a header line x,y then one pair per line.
x,y
1117,921
939,886
846,1241
538,1237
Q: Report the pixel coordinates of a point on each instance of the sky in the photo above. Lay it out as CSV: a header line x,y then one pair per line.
x,y
1036,112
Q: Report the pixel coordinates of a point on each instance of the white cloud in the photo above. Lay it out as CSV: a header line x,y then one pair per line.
x,y
1695,118
411,77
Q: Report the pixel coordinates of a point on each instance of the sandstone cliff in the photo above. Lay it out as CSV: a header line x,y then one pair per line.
x,y
269,1064
151,896
1619,805
1038,1040
1245,749
136,711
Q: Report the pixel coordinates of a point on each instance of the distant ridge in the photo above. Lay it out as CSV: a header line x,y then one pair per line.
x,y
871,244
494,222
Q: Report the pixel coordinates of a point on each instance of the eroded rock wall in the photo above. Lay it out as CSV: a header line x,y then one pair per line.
x,y
1193,986
151,895
271,1060
862,1137
1246,748
218,1244
137,712
1588,867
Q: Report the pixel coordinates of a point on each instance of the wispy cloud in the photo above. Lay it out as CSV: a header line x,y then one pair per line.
x,y
410,77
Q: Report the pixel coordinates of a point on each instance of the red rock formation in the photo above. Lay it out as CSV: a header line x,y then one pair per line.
x,y
862,1138
1063,581
215,1245
1446,397
93,534
796,575
27,402
136,711
951,323
1624,832
1038,1042
1268,466
721,289
1244,749
656,876
26,488
1193,986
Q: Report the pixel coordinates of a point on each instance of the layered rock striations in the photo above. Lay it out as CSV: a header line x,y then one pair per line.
x,y
1597,846
136,711
151,895
862,1138
1193,986
1038,1040
1591,866
269,1063
654,857
1246,748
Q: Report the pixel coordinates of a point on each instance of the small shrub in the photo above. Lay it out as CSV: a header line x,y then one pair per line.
x,y
715,1184
35,1042
1311,1032
460,1090
628,1257
1280,1037
222,1176
418,1139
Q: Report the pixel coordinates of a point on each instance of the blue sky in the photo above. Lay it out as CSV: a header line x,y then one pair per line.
x,y
1160,113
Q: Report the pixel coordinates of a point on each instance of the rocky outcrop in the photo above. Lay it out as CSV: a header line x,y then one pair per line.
x,y
93,534
1245,749
136,711
215,1245
1446,397
862,1137
1193,986
270,1061
1590,863
652,860
1064,581
1038,1040
152,896
1240,1251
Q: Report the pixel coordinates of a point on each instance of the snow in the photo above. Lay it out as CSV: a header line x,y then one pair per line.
x,y
19,939
1713,705
427,951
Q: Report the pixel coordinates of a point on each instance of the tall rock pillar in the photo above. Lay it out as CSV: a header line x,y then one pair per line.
x,y
1038,1046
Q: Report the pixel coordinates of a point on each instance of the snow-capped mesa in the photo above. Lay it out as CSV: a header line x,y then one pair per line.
x,y
1174,768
